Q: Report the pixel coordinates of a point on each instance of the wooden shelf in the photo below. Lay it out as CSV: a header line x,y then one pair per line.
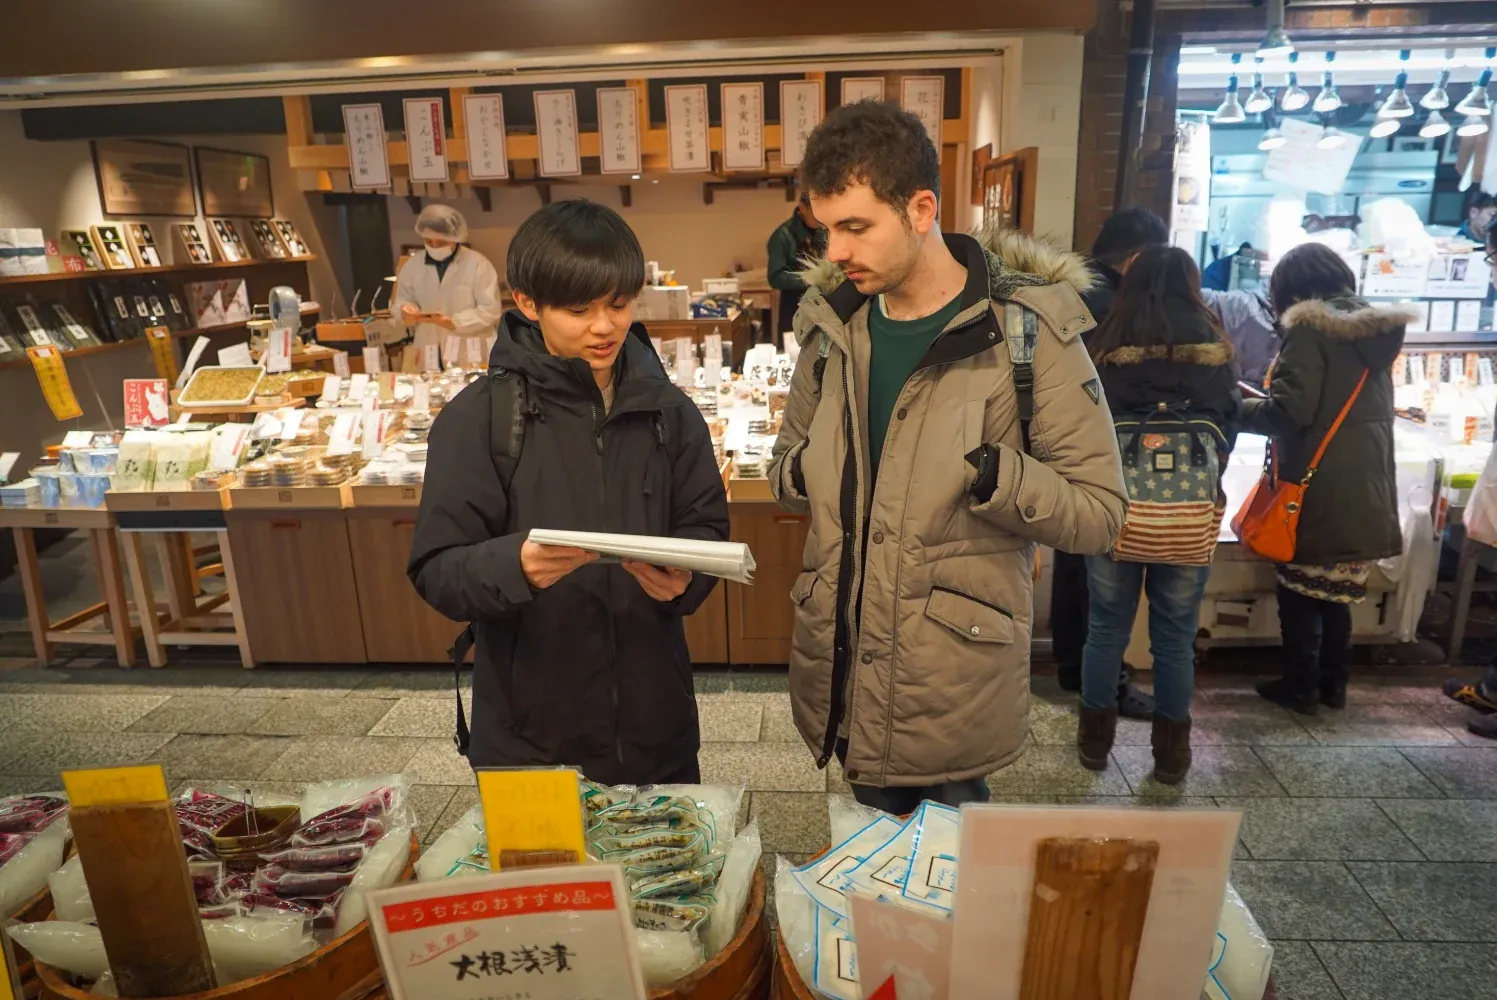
x,y
120,345
147,272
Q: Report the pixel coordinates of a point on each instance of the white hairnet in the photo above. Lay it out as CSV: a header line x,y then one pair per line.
x,y
442,222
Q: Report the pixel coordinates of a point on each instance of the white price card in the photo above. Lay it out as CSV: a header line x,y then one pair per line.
x,y
193,357
431,358
426,138
713,371
236,356
1457,370
743,126
712,348
340,363
618,130
1468,315
487,158
421,396
228,445
924,97
686,351
291,425
78,439
801,105
452,349
862,88
556,133
473,351
1395,277
541,933
374,360
357,386
1483,373
1416,370
370,403
376,425
1442,316
344,434
332,388
278,351
7,462
686,126
912,945
364,133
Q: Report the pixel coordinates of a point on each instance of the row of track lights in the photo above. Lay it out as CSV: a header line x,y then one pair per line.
x,y
1474,109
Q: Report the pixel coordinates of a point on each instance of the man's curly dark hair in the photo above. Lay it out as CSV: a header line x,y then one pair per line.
x,y
877,143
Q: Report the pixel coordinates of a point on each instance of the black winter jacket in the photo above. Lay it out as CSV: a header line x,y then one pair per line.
x,y
1350,509
1196,378
591,672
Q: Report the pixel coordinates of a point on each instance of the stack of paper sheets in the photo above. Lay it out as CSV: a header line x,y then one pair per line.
x,y
729,560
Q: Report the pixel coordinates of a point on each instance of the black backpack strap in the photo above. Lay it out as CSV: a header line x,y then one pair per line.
x,y
1021,329
507,411
459,653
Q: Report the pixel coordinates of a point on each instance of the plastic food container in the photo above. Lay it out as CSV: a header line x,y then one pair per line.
x,y
68,488
92,488
46,478
220,385
65,461
97,461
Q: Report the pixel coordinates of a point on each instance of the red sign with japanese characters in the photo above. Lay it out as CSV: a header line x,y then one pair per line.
x,y
146,402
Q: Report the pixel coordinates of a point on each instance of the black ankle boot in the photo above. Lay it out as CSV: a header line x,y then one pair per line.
x,y
1094,736
1279,692
1171,742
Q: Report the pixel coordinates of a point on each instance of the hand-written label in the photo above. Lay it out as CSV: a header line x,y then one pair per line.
x,y
374,360
537,810
106,786
340,363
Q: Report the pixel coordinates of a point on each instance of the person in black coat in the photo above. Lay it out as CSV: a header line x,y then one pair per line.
x,y
1161,348
577,662
1349,512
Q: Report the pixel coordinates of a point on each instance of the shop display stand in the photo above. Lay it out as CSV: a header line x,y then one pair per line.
x,y
114,609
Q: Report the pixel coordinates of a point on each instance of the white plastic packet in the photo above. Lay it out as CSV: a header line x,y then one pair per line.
x,y
381,867
105,986
1243,957
847,816
456,843
883,874
932,876
733,889
836,957
25,874
665,956
74,948
720,804
823,878
796,913
70,898
243,947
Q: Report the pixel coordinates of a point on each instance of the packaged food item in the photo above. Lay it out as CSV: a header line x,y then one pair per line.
x,y
289,884
1243,956
70,899
136,464
33,856
199,814
346,828
381,867
11,844
690,882
665,956
823,879
316,859
72,947
733,889
932,875
836,969
244,947
30,813
670,914
452,846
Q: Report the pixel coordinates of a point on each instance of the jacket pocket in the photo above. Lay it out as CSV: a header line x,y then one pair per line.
x,y
805,586
970,618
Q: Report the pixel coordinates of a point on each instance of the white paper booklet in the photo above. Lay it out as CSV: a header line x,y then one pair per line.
x,y
729,560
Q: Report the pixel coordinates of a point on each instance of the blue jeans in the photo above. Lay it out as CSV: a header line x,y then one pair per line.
x,y
1175,594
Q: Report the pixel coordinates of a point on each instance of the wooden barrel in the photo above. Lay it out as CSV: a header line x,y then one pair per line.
x,y
334,970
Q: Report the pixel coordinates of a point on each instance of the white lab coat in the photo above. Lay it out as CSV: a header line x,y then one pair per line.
x,y
468,294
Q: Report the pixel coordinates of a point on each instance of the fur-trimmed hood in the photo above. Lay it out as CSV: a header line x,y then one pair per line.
x,y
1347,318
1211,355
1015,261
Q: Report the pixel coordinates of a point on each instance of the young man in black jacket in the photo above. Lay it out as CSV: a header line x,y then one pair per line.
x,y
577,662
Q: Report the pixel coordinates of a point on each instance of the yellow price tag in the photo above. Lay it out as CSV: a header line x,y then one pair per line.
x,y
113,786
537,810
163,352
52,376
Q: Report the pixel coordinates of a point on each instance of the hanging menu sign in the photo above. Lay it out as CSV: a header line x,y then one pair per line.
x,y
163,352
556,133
426,138
1191,211
52,376
1301,164
924,97
487,158
800,112
686,123
743,126
618,130
368,160
862,88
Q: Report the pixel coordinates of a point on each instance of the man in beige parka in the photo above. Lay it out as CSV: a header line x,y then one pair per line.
x,y
926,362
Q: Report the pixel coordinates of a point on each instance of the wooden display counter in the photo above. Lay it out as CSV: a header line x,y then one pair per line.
x,y
761,618
738,328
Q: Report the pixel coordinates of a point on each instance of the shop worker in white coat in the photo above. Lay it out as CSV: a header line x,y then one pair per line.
x,y
448,290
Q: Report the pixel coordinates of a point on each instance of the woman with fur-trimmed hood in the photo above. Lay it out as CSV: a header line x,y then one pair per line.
x,y
1349,513
1161,348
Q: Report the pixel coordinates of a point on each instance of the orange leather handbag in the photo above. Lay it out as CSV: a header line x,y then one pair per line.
x,y
1268,522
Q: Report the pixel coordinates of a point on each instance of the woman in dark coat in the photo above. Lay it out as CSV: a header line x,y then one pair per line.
x,y
1349,513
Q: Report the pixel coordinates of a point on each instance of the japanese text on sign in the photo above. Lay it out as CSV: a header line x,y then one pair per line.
x,y
562,897
686,123
531,811
57,388
618,130
556,133
862,88
743,126
487,157
426,138
924,97
368,160
800,112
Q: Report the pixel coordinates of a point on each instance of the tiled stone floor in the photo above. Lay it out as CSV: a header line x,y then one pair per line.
x,y
1368,848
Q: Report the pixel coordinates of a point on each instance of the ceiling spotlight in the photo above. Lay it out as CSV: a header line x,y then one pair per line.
x,y
1327,100
1276,42
1384,127
1478,101
1398,104
1272,139
1294,96
1436,97
1258,100
1331,137
1473,125
1434,126
1230,111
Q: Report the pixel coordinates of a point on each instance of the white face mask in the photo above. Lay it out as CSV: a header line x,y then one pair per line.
x,y
439,253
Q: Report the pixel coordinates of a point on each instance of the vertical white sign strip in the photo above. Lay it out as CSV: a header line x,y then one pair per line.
x,y
556,133
368,162
862,88
686,124
618,130
743,126
924,96
426,138
800,112
487,157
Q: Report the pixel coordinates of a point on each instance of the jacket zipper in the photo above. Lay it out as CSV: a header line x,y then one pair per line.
x,y
618,740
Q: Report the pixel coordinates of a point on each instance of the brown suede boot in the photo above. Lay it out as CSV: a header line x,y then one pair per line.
x,y
1094,736
1171,742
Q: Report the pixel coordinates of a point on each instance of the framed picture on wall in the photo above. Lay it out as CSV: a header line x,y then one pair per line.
x,y
234,183
139,177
